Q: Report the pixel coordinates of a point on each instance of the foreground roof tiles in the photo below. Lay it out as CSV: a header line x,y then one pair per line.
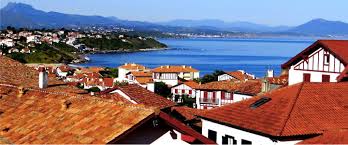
x,y
301,109
46,117
187,112
251,87
174,69
329,137
240,75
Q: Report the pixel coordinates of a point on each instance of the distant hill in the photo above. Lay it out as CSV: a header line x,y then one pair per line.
x,y
321,27
23,15
239,26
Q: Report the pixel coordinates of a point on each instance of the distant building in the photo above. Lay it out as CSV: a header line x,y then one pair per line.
x,y
13,50
171,74
187,88
239,75
323,61
142,78
290,115
220,93
129,67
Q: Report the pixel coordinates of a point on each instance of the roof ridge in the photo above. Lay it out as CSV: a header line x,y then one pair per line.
x,y
292,108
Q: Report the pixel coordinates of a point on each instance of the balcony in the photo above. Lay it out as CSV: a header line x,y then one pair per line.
x,y
209,101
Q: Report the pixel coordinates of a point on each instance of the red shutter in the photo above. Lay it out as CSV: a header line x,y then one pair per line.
x,y
176,91
205,107
214,95
325,78
190,92
223,95
306,77
231,96
183,91
205,96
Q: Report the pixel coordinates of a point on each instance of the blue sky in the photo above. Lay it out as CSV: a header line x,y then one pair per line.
x,y
270,12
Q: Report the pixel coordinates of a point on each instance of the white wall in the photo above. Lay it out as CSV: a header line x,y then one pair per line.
x,y
238,135
168,82
315,66
224,77
236,97
183,87
122,73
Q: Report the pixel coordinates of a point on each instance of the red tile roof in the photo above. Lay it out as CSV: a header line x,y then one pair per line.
x,y
251,87
144,80
329,137
301,109
38,117
187,112
240,75
176,69
65,68
141,73
280,80
132,66
142,96
339,48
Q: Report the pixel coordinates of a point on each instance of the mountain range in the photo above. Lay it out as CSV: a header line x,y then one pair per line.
x,y
23,15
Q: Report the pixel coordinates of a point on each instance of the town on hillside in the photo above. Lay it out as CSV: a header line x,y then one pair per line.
x,y
57,103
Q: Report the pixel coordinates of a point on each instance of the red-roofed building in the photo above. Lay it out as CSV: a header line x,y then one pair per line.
x,y
284,116
238,75
141,78
184,88
129,67
219,93
171,74
323,61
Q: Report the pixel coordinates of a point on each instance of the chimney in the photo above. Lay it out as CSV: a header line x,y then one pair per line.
x,y
270,73
266,86
167,66
43,78
183,66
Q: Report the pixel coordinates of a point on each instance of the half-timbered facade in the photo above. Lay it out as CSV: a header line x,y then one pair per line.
x,y
171,74
323,61
219,93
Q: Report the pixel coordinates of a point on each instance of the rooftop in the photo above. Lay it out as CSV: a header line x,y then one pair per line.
x,y
251,87
132,66
42,117
173,68
240,75
300,109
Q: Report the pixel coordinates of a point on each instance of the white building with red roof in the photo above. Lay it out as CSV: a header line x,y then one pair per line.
x,y
323,61
141,78
287,115
129,67
171,74
239,75
187,88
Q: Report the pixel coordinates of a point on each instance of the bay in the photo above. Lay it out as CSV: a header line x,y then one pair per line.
x,y
206,54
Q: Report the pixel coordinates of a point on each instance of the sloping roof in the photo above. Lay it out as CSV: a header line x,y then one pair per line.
x,y
132,66
192,84
343,76
339,48
251,87
141,73
51,117
65,68
187,112
144,80
300,109
279,80
239,75
173,68
329,137
142,96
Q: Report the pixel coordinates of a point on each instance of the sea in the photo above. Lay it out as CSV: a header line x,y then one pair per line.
x,y
254,56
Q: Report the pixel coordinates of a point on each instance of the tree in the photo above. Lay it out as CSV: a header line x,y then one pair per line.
x,y
94,89
162,89
211,77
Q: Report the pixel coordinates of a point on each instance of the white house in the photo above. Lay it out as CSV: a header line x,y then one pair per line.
x,y
128,67
63,70
141,78
323,61
184,88
219,93
285,116
171,74
7,42
238,75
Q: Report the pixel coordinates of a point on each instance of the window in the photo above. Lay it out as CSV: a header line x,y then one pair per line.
x,y
325,78
183,91
326,59
212,135
176,91
228,140
260,102
190,92
246,142
306,77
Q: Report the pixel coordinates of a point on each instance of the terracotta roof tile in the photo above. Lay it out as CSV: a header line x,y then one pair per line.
x,y
144,80
240,75
133,66
191,84
343,76
329,137
51,117
251,87
280,80
187,112
171,68
301,109
141,73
